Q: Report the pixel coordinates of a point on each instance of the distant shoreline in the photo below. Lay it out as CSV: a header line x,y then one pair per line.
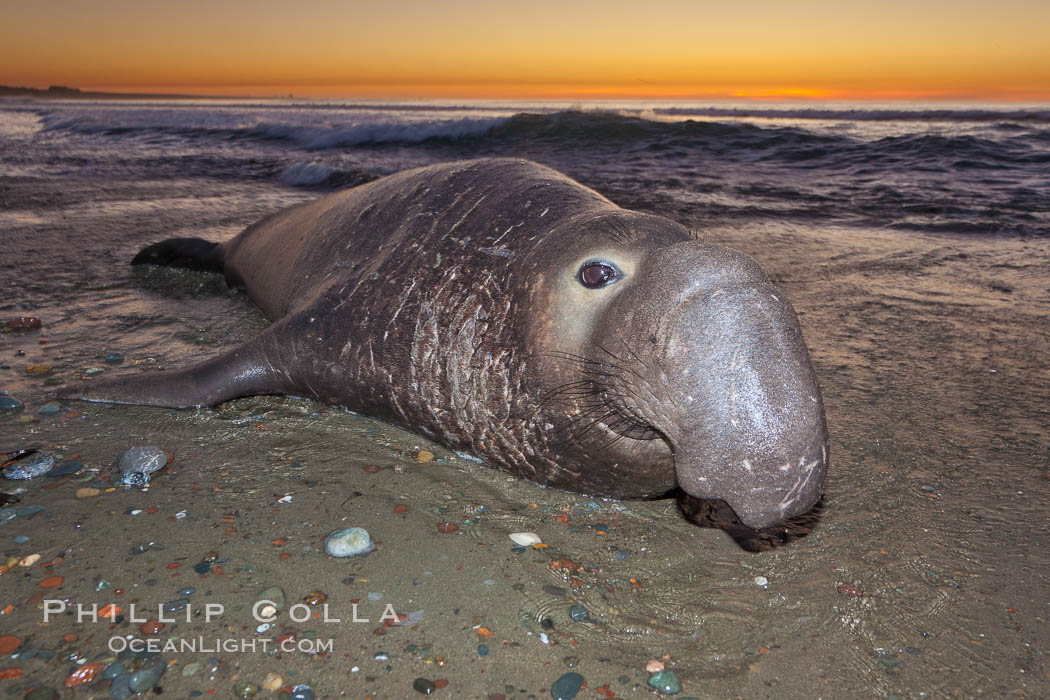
x,y
61,92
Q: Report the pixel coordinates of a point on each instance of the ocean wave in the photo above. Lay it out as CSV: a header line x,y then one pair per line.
x,y
319,175
373,133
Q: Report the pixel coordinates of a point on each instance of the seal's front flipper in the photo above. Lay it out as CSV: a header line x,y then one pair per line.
x,y
250,369
192,253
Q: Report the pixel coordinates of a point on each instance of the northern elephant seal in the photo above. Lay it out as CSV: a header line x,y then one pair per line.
x,y
503,309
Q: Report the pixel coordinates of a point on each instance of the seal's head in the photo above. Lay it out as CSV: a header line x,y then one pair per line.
x,y
679,364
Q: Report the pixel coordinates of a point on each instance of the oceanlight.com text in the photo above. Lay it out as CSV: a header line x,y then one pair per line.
x,y
228,645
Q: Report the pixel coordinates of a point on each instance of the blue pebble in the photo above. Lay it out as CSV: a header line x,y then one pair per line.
x,y
21,539
143,680
32,466
187,591
348,542
10,404
29,511
566,687
113,670
578,613
70,467
302,692
665,682
114,358
483,650
121,687
202,567
176,605
49,409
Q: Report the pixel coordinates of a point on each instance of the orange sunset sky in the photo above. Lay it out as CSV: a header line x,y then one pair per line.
x,y
660,49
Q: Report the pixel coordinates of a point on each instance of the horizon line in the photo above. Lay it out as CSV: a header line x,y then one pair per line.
x,y
336,91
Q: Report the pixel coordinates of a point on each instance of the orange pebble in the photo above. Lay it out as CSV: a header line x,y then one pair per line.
x,y
151,627
484,632
69,637
9,643
84,674
400,509
110,611
51,582
9,673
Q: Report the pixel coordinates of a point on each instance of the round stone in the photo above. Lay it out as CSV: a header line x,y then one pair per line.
x,y
348,542
32,466
9,404
142,459
144,680
525,539
276,596
665,682
422,685
120,689
566,687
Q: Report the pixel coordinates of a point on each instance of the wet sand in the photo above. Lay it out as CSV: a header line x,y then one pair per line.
x,y
928,574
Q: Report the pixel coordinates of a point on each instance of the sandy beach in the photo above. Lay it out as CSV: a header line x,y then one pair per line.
x,y
927,577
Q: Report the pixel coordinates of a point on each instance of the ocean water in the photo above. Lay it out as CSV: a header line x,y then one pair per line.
x,y
967,169
913,243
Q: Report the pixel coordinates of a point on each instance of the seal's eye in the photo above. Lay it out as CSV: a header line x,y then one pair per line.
x,y
597,274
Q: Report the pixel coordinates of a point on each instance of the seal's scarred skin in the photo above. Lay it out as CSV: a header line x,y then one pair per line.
x,y
503,309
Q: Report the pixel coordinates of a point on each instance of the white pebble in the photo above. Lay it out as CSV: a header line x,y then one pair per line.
x,y
761,581
348,542
525,539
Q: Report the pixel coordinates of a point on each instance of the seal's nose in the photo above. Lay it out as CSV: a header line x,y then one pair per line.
x,y
751,428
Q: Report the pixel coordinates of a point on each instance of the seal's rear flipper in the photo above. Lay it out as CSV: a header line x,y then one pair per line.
x,y
192,253
250,369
